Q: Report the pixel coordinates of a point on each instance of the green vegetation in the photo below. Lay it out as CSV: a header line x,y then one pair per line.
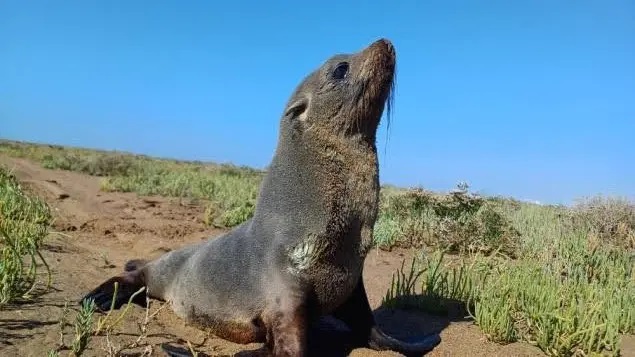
x,y
459,222
561,278
85,329
24,223
570,291
228,191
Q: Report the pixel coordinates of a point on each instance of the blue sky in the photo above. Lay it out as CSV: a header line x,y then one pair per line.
x,y
533,99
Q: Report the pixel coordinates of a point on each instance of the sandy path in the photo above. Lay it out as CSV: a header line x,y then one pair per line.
x,y
100,231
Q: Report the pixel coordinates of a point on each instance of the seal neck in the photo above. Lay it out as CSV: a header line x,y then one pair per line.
x,y
314,181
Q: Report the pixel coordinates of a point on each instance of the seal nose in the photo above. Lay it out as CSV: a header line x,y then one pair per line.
x,y
378,63
384,44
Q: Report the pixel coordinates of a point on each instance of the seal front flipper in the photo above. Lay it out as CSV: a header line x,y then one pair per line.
x,y
128,284
357,314
286,323
380,341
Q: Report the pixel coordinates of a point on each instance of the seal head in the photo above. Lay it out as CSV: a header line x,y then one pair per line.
x,y
347,94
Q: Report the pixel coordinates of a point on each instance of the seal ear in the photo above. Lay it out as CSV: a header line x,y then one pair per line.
x,y
297,109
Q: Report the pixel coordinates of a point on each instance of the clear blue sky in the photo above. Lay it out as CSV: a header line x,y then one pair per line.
x,y
533,99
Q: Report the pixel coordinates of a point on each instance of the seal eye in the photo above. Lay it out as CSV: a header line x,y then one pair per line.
x,y
341,70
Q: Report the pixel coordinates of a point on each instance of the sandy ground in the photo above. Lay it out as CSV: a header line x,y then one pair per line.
x,y
97,232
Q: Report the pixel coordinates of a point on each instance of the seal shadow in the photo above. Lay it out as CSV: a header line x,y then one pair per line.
x,y
331,337
419,315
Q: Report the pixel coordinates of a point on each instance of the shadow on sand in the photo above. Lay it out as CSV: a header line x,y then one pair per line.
x,y
17,329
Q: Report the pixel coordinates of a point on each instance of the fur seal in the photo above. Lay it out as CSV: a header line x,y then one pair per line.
x,y
301,255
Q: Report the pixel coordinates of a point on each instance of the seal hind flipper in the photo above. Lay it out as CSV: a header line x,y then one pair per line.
x,y
174,351
357,314
381,341
129,283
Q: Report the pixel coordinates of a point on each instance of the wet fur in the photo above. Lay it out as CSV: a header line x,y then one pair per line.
x,y
301,255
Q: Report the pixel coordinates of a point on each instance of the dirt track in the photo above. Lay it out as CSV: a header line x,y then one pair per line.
x,y
100,231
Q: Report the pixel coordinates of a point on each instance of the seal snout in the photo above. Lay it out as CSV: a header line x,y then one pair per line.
x,y
382,48
384,44
380,56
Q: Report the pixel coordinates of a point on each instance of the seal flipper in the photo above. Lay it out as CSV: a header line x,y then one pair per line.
x,y
358,315
174,351
129,283
380,341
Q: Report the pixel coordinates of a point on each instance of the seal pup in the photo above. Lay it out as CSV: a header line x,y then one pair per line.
x,y
301,255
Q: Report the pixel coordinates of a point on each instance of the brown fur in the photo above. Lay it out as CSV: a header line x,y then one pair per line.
x,y
232,331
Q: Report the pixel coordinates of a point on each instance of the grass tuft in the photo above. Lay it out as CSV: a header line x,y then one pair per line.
x,y
24,223
83,327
